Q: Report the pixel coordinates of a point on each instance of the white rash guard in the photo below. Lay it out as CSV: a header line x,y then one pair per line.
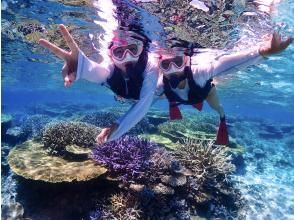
x,y
99,73
205,67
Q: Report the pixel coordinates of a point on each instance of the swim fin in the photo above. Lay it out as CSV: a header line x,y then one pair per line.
x,y
174,111
222,137
199,106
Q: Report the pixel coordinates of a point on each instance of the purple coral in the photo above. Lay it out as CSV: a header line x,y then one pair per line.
x,y
127,158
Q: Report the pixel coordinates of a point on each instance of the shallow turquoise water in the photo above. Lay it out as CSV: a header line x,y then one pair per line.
x,y
262,93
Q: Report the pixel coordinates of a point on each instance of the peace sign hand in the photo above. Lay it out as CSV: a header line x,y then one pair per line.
x,y
70,58
275,45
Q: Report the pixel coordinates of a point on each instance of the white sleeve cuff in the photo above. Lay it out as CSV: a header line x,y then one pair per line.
x,y
81,60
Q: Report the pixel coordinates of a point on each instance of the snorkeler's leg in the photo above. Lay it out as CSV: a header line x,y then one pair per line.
x,y
212,99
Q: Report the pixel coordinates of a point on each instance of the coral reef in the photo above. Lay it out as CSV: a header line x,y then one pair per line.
x,y
196,127
31,161
57,136
210,25
12,210
105,119
205,123
154,183
31,31
157,138
15,135
172,182
100,119
144,126
122,205
126,158
6,122
33,126
211,167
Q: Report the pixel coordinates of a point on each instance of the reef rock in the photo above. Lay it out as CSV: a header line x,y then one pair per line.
x,y
6,122
12,211
14,135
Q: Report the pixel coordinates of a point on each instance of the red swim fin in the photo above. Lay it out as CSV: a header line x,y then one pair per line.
x,y
222,137
174,111
198,105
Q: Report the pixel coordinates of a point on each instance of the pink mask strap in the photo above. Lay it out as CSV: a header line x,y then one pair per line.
x,y
119,40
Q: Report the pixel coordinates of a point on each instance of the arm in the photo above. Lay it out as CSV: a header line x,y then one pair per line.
x,y
92,71
231,63
138,110
225,64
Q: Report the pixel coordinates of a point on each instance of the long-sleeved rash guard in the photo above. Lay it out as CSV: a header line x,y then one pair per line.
x,y
204,66
99,73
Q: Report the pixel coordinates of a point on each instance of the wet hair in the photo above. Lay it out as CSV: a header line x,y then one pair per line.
x,y
136,29
176,42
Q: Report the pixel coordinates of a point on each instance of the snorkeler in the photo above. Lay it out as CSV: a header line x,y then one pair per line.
x,y
129,70
188,80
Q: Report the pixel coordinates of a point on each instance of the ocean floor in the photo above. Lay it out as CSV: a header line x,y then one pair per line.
x,y
262,154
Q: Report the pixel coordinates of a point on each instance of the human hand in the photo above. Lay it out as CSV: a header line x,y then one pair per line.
x,y
105,133
119,99
70,58
275,45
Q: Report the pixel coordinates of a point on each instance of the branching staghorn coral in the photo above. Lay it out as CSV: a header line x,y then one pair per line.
x,y
168,185
59,135
121,206
126,158
210,164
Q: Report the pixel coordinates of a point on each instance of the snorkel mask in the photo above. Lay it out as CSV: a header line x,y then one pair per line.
x,y
126,47
172,64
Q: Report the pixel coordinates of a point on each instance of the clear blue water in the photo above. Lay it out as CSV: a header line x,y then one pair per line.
x,y
262,95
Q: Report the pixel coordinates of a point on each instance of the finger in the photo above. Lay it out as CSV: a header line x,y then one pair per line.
x,y
100,140
67,84
69,40
72,77
287,42
279,38
274,38
64,71
97,139
62,54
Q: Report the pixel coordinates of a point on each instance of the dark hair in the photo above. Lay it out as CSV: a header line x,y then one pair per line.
x,y
138,30
176,42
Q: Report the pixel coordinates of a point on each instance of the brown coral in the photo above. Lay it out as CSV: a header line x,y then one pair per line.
x,y
57,136
210,164
31,161
124,206
163,190
174,181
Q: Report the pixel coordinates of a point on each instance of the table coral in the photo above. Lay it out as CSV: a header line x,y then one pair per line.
x,y
31,161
